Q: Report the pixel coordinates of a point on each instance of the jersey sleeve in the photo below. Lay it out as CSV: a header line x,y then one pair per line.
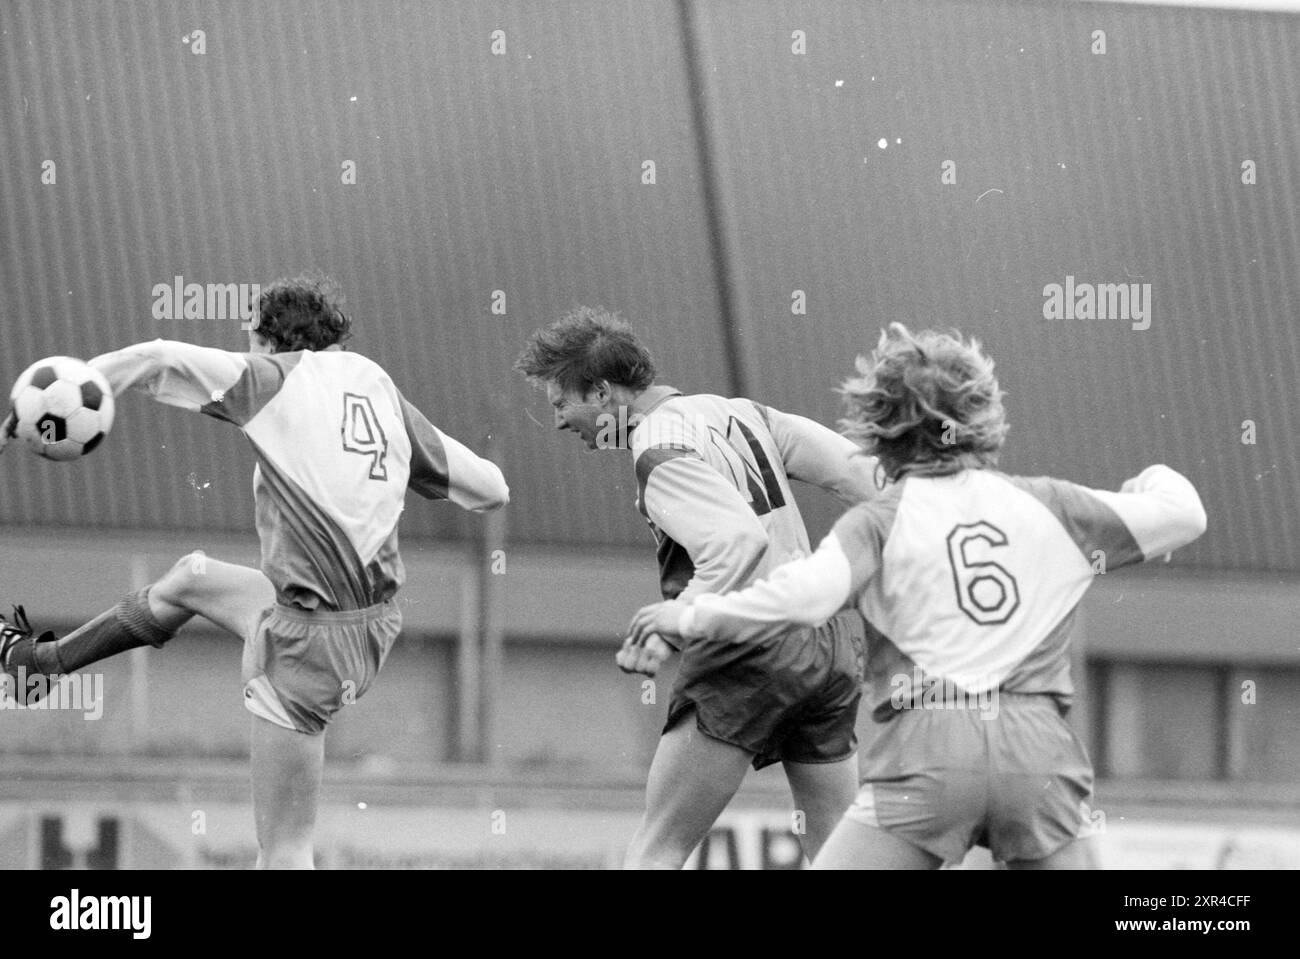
x,y
820,456
443,468
803,592
1155,512
691,503
1159,509
179,374
806,591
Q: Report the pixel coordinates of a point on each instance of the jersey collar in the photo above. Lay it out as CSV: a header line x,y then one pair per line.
x,y
649,399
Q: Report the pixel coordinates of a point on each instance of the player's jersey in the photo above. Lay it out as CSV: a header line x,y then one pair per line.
x,y
713,480
972,579
337,447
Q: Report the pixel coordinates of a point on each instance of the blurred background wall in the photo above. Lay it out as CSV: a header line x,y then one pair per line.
x,y
758,187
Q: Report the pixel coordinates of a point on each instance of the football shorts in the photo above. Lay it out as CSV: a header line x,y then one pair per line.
x,y
1016,780
302,667
791,697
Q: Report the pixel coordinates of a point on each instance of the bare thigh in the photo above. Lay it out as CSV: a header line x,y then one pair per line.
x,y
822,792
855,845
1077,854
692,778
232,597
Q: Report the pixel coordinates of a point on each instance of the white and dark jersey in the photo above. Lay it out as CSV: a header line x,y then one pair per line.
x,y
713,481
972,579
337,447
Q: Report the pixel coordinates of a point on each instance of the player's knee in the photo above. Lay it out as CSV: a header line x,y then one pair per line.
x,y
182,581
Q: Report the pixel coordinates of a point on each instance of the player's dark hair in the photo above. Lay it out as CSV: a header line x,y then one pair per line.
x,y
584,347
925,403
302,313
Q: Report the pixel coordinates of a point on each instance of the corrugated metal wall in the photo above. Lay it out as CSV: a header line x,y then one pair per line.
x,y
522,173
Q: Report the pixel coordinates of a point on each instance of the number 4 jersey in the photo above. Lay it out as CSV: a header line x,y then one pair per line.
x,y
337,447
972,579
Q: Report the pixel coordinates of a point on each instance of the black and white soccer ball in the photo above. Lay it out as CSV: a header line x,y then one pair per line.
x,y
62,408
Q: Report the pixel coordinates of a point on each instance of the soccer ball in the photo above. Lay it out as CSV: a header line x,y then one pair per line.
x,y
62,408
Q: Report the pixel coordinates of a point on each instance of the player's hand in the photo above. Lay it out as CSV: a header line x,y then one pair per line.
x,y
661,618
644,657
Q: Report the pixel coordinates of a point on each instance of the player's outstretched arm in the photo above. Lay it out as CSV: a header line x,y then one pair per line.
x,y
178,374
443,468
1159,508
803,592
820,456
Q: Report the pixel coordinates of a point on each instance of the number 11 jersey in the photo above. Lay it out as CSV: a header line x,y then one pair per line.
x,y
713,480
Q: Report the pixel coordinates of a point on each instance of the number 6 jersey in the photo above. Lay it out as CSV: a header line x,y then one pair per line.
x,y
337,447
971,579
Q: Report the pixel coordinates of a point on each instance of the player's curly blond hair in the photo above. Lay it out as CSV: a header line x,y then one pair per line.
x,y
925,402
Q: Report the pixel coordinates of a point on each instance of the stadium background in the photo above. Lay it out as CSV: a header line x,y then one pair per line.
x,y
500,731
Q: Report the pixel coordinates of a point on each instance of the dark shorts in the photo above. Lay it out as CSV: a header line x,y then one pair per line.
x,y
1016,780
792,697
300,667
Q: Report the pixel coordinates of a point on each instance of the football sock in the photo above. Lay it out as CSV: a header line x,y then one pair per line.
x,y
20,657
128,625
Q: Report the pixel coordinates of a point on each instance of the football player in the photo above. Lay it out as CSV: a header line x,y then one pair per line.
x,y
713,479
337,447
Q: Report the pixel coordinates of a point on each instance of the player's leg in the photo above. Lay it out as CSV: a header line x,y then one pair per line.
x,y
822,792
287,768
692,778
1077,854
819,747
226,594
231,596
855,845
299,670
